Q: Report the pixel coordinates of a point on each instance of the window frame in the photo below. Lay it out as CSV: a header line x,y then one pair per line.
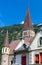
x,y
5,49
40,41
37,62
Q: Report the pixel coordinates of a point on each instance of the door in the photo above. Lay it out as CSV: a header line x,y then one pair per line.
x,y
23,60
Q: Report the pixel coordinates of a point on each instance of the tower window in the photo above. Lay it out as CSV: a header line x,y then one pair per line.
x,y
2,50
25,33
5,49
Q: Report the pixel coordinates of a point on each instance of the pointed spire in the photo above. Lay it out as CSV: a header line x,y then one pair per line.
x,y
6,41
27,23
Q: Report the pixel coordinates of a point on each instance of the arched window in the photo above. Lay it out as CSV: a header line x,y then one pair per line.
x,y
2,50
5,49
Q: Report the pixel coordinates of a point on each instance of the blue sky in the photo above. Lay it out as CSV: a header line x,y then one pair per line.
x,y
14,11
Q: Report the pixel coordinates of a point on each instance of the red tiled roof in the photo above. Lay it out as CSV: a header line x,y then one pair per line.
x,y
13,45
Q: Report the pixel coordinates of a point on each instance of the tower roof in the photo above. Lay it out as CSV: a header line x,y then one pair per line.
x,y
27,23
6,41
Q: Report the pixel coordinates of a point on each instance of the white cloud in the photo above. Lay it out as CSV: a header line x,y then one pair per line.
x,y
22,22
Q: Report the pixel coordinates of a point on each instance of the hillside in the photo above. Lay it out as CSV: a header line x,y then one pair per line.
x,y
13,32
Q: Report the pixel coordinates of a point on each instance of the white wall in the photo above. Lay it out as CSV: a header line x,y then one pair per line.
x,y
18,59
31,57
5,56
10,59
27,59
34,44
4,60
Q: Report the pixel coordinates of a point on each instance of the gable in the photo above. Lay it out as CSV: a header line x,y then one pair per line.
x,y
21,46
35,43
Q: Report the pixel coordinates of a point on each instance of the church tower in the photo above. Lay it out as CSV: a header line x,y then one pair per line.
x,y
28,30
5,51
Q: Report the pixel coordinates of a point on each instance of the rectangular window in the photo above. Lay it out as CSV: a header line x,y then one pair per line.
x,y
25,33
40,57
36,58
40,40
